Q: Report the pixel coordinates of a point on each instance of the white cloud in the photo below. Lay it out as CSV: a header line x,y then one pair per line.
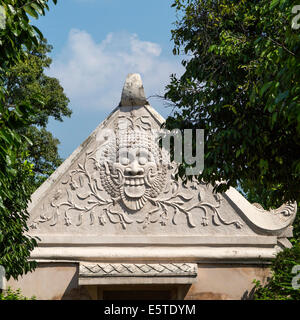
x,y
93,74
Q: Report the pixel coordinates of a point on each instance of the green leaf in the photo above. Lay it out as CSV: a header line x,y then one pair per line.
x,y
274,3
31,11
37,30
274,117
38,8
265,87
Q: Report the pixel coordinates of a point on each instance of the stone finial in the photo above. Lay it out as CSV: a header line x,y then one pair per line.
x,y
133,92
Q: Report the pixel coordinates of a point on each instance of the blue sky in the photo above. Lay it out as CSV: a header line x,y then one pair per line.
x,y
96,43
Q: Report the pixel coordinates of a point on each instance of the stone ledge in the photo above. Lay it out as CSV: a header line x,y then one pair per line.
x,y
155,253
73,240
110,273
135,280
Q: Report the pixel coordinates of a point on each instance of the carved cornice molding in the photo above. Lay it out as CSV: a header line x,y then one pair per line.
x,y
137,270
272,221
104,204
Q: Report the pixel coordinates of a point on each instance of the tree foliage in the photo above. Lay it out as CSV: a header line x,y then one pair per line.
x,y
17,31
16,35
241,84
24,83
10,294
280,285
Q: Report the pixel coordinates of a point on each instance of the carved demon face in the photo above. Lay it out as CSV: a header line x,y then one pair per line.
x,y
137,173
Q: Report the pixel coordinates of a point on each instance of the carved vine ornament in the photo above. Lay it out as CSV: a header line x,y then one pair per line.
x,y
131,169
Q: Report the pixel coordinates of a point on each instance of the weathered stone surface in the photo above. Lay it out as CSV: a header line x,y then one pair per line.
x,y
61,281
98,196
133,92
226,282
50,281
137,269
137,273
103,206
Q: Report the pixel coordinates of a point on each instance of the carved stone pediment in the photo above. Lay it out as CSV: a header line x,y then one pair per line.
x,y
118,189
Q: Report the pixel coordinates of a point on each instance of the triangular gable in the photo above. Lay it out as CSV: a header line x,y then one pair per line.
x,y
96,207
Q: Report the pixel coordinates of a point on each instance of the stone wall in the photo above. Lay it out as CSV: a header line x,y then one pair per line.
x,y
59,281
104,208
226,281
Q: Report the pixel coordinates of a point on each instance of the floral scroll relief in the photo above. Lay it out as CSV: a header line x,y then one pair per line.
x,y
164,209
284,212
178,203
130,186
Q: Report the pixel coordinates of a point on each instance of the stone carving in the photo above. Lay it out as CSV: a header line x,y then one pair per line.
x,y
131,165
133,91
284,211
132,178
116,198
126,178
137,269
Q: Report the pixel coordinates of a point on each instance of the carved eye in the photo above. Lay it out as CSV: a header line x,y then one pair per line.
x,y
143,157
124,158
124,161
142,160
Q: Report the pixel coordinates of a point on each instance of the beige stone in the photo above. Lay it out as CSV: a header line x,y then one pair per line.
x,y
107,207
226,282
50,281
60,281
133,92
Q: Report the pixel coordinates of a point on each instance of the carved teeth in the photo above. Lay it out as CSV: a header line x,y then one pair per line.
x,y
134,181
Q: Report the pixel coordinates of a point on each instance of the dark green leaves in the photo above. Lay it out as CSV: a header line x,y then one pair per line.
x,y
30,10
241,84
16,34
279,286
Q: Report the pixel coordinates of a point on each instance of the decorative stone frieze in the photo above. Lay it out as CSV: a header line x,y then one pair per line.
x,y
119,187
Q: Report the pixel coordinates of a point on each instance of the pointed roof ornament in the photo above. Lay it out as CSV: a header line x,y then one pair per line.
x,y
190,222
133,93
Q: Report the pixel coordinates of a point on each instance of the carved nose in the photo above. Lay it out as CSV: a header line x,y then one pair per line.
x,y
134,169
